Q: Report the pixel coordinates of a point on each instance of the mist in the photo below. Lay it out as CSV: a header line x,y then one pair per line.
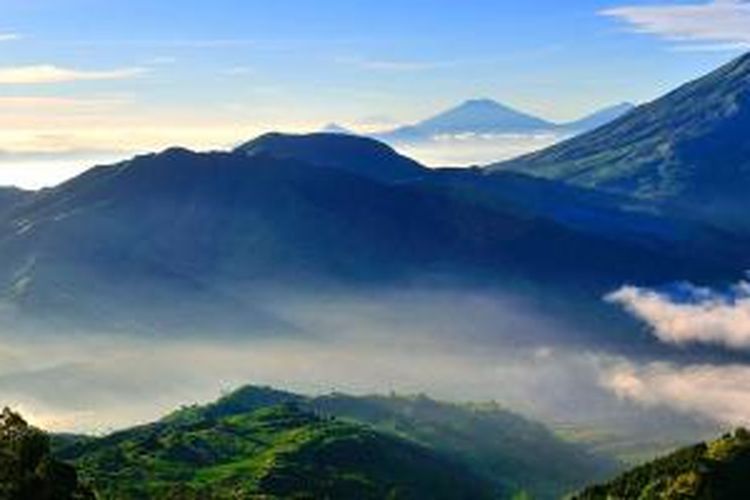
x,y
476,149
452,345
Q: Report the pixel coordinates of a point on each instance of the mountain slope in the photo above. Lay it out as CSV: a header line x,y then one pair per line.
x,y
478,116
10,197
350,153
716,471
507,450
172,241
267,441
512,452
271,451
689,149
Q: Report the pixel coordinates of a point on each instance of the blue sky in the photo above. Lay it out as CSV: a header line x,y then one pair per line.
x,y
88,75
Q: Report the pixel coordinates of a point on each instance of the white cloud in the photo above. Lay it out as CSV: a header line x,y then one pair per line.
x,y
715,392
700,316
476,149
47,73
9,37
722,22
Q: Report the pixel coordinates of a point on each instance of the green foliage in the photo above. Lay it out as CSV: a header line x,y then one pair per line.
x,y
514,453
277,451
261,441
27,470
715,471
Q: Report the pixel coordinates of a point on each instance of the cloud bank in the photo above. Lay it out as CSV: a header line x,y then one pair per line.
x,y
689,314
718,393
721,24
463,150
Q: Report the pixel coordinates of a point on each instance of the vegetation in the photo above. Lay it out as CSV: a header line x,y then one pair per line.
x,y
514,453
27,470
259,441
278,451
716,471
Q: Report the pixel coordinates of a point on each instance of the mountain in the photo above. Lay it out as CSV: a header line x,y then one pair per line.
x,y
10,197
27,468
485,116
478,116
173,242
355,154
260,441
716,471
688,151
599,118
603,214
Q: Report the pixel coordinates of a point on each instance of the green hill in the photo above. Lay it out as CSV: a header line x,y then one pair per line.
x,y
716,471
280,451
259,441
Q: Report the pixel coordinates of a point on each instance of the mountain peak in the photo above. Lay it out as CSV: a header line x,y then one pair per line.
x,y
479,116
480,102
356,154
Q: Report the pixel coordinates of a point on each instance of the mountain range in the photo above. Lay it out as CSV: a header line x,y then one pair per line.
x,y
486,116
166,241
173,241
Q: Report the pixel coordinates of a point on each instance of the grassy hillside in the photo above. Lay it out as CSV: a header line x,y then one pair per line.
x,y
716,471
259,441
279,451
512,452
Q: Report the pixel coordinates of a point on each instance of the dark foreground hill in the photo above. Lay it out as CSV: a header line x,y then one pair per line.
x,y
715,471
27,469
258,441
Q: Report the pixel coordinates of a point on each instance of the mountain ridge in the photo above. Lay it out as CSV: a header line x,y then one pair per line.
x,y
200,226
356,154
687,150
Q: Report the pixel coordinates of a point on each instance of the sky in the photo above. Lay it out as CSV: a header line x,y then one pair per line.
x,y
86,81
